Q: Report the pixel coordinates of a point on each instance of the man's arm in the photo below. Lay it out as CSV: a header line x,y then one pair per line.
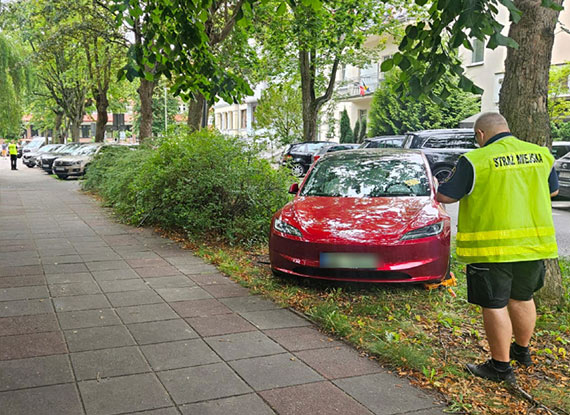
x,y
457,184
553,184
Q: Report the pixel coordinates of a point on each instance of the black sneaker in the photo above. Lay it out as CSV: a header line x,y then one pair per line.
x,y
523,358
488,370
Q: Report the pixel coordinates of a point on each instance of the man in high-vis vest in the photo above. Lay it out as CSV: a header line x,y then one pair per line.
x,y
504,232
13,151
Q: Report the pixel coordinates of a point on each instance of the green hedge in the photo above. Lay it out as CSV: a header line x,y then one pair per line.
x,y
204,183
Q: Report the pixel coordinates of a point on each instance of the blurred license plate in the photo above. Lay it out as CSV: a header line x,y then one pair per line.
x,y
59,169
348,260
565,174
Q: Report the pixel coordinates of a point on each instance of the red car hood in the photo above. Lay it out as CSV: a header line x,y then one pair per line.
x,y
363,220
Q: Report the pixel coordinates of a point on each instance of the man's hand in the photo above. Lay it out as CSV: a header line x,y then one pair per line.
x,y
554,194
444,199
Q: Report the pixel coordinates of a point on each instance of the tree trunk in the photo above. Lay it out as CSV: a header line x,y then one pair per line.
x,y
75,127
102,103
524,96
145,91
196,112
310,111
57,131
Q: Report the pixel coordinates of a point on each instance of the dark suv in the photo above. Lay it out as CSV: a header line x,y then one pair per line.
x,y
384,141
442,147
298,156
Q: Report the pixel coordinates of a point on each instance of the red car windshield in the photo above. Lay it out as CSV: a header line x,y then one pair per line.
x,y
367,177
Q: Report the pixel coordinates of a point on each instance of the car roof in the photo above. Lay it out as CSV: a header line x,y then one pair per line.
x,y
561,143
377,153
385,137
443,131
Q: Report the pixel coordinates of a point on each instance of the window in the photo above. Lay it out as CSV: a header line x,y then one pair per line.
x,y
243,118
450,141
85,131
253,108
478,54
497,86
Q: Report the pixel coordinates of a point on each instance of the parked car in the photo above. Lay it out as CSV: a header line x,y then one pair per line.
x,y
442,147
34,144
75,164
30,158
560,148
45,161
384,141
298,156
562,166
363,215
332,148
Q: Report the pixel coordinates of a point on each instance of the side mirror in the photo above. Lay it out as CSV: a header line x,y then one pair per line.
x,y
294,188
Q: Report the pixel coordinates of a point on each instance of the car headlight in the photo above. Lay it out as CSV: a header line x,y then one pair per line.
x,y
76,163
424,232
284,227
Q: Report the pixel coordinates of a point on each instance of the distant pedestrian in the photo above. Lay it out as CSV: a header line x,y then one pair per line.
x,y
504,232
4,149
13,150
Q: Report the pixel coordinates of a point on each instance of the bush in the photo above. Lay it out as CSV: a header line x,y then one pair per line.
x,y
203,183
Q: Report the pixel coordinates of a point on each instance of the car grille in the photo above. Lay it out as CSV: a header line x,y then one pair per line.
x,y
63,163
347,273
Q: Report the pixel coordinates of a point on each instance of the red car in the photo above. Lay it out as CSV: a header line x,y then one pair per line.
x,y
364,215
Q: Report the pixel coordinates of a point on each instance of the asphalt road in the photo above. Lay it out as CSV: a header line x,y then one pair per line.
x,y
560,212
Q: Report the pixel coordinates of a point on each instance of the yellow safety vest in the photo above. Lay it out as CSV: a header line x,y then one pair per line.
x,y
507,216
12,149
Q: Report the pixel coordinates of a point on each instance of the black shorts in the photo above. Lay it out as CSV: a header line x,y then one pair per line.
x,y
491,285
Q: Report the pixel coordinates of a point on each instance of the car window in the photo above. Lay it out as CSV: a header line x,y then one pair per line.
x,y
298,148
312,148
413,141
559,151
367,177
438,141
86,150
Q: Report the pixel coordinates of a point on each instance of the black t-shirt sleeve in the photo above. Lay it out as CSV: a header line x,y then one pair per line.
x,y
460,180
553,181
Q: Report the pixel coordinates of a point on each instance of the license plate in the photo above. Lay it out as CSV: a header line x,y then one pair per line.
x,y
564,175
59,169
348,260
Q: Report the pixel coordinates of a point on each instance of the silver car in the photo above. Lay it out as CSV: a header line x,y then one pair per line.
x,y
73,165
30,158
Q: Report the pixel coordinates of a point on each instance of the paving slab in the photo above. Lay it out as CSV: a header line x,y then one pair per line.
x,y
107,265
179,354
36,371
64,268
250,404
78,288
201,383
147,263
23,293
154,272
123,394
25,281
177,281
338,362
115,274
320,398
112,362
31,345
69,278
302,338
47,400
211,279
87,318
80,302
244,345
220,324
226,290
384,394
94,338
276,371
161,331
249,303
122,285
275,319
200,308
25,307
28,324
132,298
143,313
183,293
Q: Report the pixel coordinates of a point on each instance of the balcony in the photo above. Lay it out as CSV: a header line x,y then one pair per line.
x,y
350,88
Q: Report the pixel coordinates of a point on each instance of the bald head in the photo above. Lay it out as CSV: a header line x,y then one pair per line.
x,y
489,124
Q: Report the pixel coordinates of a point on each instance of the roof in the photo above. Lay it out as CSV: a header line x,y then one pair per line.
x,y
386,137
442,131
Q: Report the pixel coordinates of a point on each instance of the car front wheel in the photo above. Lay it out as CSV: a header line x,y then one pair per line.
x,y
298,170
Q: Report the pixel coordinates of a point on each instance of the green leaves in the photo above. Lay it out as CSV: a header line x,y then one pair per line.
x,y
551,4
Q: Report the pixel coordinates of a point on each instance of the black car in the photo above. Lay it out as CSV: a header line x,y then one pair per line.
x,y
45,161
442,147
384,141
560,148
299,156
562,166
332,148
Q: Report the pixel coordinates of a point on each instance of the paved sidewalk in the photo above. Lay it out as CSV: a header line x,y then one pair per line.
x,y
101,318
